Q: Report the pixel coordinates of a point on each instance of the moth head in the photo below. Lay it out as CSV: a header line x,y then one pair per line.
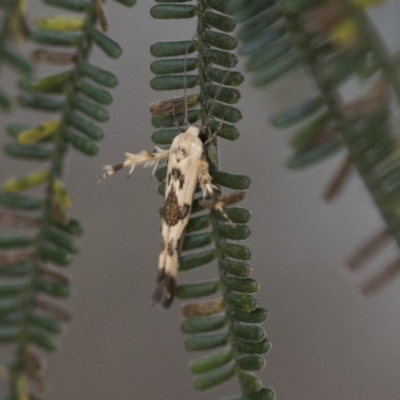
x,y
193,130
202,135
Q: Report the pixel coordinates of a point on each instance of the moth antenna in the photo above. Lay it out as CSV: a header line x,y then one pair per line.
x,y
211,138
176,123
216,94
186,120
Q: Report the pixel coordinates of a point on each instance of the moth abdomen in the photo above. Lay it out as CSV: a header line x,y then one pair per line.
x,y
165,290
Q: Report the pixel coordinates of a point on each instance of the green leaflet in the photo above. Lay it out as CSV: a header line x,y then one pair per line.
x,y
218,21
242,301
224,131
215,377
225,112
51,325
73,5
92,110
198,223
264,56
5,100
128,3
237,215
235,251
243,285
32,152
302,139
257,27
231,78
191,261
314,155
173,82
19,201
252,9
253,362
99,95
43,341
173,66
109,46
15,241
204,324
251,381
73,227
263,44
236,268
233,232
56,255
39,102
212,361
86,127
226,95
219,57
52,83
54,289
16,60
191,290
86,146
197,240
298,113
252,333
52,38
257,316
206,342
276,69
249,347
173,11
220,40
99,75
172,49
232,181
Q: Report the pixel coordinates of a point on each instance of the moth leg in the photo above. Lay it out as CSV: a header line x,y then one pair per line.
x,y
213,135
144,158
176,123
220,203
205,180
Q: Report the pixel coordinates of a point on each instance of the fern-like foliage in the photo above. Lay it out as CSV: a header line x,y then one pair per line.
x,y
338,43
231,323
13,30
32,279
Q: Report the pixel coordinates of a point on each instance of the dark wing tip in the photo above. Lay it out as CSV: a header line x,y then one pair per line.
x,y
165,291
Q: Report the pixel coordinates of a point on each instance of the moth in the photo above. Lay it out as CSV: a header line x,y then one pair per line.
x,y
187,168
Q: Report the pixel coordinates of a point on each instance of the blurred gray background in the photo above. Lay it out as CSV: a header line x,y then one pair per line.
x,y
328,342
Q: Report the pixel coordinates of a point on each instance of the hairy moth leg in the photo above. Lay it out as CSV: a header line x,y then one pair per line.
x,y
132,160
220,203
205,180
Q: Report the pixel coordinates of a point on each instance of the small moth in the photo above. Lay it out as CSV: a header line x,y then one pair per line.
x,y
187,167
